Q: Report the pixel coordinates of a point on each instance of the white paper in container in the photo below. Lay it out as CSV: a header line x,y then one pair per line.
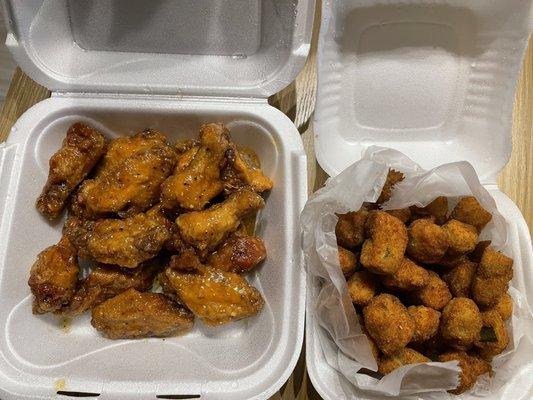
x,y
345,347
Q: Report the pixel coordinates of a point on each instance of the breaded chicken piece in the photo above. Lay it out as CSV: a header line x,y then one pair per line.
x,y
243,170
403,357
409,276
123,242
426,321
105,282
504,307
130,184
438,209
462,237
388,323
135,315
239,253
469,211
206,229
82,148
492,278
193,186
383,251
53,277
493,338
460,278
403,214
460,323
350,228
435,294
393,177
362,286
216,297
428,242
347,261
471,368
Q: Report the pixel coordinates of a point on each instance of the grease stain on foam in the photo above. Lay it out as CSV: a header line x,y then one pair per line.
x,y
65,324
60,384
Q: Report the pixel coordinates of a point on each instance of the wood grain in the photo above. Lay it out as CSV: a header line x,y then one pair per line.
x,y
298,101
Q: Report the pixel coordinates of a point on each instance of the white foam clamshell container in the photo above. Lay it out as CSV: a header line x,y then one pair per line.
x,y
123,66
434,79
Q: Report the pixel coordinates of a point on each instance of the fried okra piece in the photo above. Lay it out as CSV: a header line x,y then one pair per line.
x,y
492,278
460,278
388,323
403,214
383,251
393,177
478,251
53,277
403,357
493,338
348,261
504,307
469,211
428,242
435,294
462,237
409,276
471,368
362,286
460,323
81,149
350,228
426,321
437,209
135,315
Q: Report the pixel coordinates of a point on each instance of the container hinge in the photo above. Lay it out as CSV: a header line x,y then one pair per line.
x,y
161,97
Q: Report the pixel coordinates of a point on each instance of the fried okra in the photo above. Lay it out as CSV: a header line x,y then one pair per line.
x,y
504,307
403,214
471,368
437,209
469,211
403,357
426,321
409,276
348,261
492,278
435,294
460,278
460,323
350,228
383,251
428,242
362,286
388,323
462,237
393,177
493,338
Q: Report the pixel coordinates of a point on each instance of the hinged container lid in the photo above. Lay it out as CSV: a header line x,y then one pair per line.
x,y
433,79
246,48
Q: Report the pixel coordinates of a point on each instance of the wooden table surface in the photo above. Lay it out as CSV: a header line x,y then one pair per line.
x,y
298,101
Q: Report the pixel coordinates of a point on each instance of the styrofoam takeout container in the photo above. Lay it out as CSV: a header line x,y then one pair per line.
x,y
434,79
124,66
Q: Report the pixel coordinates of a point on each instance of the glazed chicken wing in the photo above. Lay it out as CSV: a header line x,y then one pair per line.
x,y
82,148
53,277
135,315
239,253
104,282
123,242
207,229
242,170
195,182
129,180
215,296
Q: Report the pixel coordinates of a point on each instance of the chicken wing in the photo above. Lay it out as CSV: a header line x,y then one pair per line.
x,y
207,229
135,315
193,186
123,242
82,148
244,170
53,277
129,180
105,282
240,253
215,296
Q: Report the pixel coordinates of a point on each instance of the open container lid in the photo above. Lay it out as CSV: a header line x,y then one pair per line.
x,y
247,48
435,80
